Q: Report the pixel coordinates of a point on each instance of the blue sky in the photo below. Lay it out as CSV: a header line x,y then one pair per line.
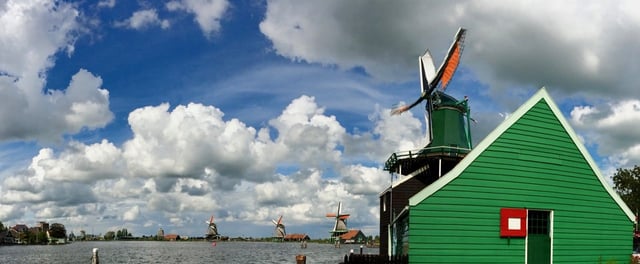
x,y
159,114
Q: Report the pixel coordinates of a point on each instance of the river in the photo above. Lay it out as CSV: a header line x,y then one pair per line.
x,y
178,252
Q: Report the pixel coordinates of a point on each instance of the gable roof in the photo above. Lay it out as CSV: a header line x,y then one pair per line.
x,y
296,236
484,144
351,234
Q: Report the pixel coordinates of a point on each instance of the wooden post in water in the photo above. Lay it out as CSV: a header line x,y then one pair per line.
x,y
95,259
301,259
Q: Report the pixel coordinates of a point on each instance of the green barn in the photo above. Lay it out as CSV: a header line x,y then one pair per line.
x,y
528,193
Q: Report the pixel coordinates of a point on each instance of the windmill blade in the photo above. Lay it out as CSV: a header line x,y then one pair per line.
x,y
427,71
403,108
450,64
430,78
274,222
279,220
335,225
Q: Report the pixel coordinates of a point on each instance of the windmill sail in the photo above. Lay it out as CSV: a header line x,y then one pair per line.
x,y
279,231
427,70
430,78
450,63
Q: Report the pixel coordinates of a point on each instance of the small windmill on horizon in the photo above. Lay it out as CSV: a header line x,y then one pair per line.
x,y
279,232
340,225
212,230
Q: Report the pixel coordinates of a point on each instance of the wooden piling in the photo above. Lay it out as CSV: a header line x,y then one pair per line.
x,y
301,259
95,259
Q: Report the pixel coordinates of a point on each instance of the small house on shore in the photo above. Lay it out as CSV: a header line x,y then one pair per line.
x,y
354,236
296,237
530,192
172,237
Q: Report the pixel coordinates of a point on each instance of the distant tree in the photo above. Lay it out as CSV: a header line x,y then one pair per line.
x,y
123,233
57,230
40,238
109,235
627,184
25,237
2,227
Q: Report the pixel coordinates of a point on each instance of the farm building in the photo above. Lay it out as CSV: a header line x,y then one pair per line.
x,y
354,236
296,237
528,193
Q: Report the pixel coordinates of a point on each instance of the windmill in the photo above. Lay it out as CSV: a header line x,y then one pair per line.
x,y
212,230
279,232
444,114
340,225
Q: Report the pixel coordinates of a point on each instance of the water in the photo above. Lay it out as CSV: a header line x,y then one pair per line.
x,y
178,252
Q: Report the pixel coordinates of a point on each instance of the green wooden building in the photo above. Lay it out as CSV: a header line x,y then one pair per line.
x,y
528,193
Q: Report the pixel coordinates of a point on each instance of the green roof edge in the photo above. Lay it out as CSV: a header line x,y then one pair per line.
x,y
542,94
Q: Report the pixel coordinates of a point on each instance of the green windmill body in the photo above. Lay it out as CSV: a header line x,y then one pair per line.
x,y
449,125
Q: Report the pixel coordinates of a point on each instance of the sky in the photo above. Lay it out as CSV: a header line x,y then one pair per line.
x,y
158,114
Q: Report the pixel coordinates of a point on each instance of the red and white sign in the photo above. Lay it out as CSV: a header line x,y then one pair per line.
x,y
513,222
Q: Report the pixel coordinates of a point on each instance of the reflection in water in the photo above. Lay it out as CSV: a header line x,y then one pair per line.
x,y
178,252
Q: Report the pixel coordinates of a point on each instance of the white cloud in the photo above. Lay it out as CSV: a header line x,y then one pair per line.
x,y
143,19
208,13
107,3
9,211
188,163
309,136
131,214
615,127
32,33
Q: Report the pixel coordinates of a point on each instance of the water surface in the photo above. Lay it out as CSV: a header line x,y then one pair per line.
x,y
178,252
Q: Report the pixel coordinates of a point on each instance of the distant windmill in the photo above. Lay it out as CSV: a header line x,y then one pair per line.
x,y
340,225
212,230
279,232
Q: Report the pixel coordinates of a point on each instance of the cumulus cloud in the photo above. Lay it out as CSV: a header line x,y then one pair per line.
x,y
614,127
10,211
208,13
190,161
193,141
107,3
131,214
143,19
32,33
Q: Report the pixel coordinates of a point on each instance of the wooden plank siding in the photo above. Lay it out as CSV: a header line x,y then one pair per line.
x,y
407,187
534,164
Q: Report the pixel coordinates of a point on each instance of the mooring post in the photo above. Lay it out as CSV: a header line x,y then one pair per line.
x,y
301,259
95,259
360,249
